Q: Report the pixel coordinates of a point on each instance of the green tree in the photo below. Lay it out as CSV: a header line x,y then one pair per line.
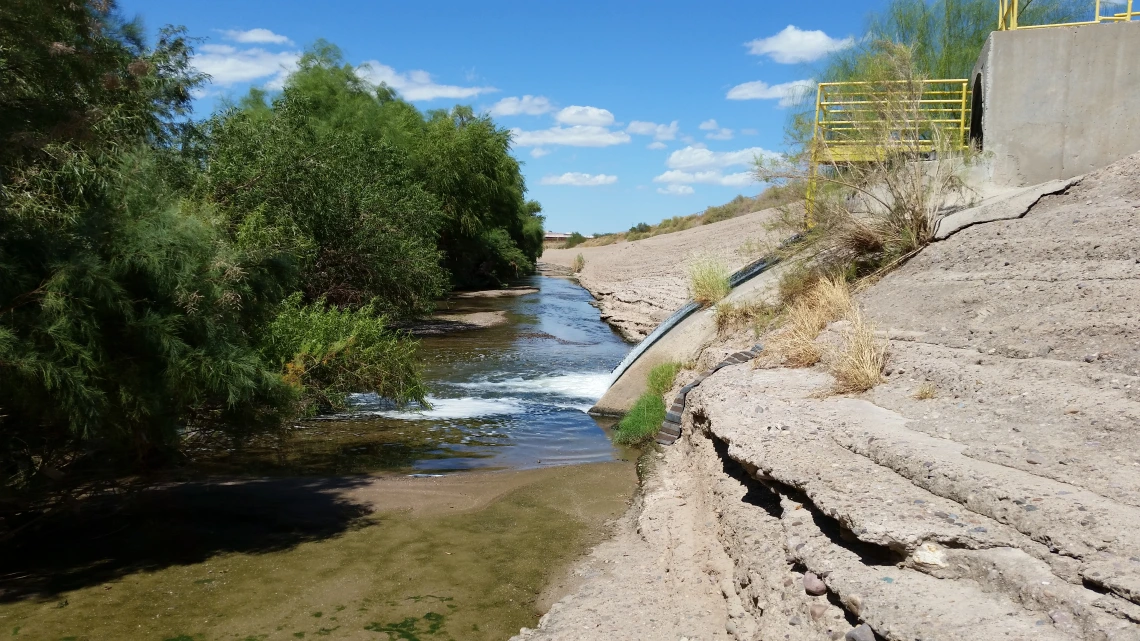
x,y
122,311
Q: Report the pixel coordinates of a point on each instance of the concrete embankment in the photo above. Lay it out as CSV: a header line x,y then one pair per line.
x,y
640,284
1007,506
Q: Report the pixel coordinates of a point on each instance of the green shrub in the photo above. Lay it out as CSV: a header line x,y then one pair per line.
x,y
574,240
708,280
645,417
327,353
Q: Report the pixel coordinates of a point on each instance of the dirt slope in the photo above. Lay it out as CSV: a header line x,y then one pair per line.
x,y
1006,507
639,284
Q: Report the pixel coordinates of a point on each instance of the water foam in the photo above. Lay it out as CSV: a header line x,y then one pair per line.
x,y
585,386
456,408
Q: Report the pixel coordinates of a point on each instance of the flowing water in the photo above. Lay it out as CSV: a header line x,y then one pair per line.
x,y
322,534
509,396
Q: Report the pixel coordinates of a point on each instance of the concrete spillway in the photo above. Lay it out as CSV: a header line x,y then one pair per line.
x,y
680,338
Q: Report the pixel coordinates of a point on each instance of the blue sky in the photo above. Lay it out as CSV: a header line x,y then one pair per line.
x,y
624,111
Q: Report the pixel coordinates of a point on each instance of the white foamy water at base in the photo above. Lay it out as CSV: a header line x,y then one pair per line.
x,y
581,386
456,408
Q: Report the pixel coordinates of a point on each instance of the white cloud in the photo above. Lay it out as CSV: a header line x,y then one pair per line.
x,y
793,45
788,93
720,134
749,132
588,116
256,36
708,124
695,158
676,190
659,132
229,65
539,152
527,105
416,85
710,177
578,179
577,136
656,145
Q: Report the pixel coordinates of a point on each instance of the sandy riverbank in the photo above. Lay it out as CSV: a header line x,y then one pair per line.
x,y
1006,506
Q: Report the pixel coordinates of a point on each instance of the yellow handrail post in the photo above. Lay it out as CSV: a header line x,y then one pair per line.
x,y
1098,10
962,140
813,163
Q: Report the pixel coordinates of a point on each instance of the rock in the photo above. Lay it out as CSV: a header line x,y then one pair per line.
x,y
1089,358
813,585
929,556
1061,618
1034,458
861,633
817,611
794,621
855,604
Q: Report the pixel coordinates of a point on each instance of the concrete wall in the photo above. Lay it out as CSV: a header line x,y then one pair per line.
x,y
1059,102
684,343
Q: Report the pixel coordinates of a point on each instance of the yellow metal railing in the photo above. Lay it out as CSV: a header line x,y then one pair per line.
x,y
867,121
850,117
1008,16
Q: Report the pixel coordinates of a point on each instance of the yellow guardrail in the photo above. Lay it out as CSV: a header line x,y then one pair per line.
x,y
849,117
1008,16
867,121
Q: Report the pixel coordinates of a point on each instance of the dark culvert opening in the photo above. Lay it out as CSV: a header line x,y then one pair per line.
x,y
977,104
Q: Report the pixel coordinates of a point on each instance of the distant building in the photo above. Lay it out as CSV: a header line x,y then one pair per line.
x,y
553,237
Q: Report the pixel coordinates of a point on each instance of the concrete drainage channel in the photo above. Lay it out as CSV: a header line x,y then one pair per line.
x,y
671,427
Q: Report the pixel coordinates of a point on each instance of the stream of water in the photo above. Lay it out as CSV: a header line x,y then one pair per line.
x,y
509,396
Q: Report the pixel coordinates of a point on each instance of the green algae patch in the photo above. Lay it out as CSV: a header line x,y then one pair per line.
x,y
392,575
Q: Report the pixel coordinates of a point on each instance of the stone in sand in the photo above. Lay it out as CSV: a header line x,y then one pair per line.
x,y
813,585
861,633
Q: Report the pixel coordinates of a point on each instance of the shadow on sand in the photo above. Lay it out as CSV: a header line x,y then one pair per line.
x,y
104,539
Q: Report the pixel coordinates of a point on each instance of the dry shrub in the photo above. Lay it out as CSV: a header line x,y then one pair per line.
x,y
883,206
708,280
858,365
829,300
796,282
758,314
579,264
925,392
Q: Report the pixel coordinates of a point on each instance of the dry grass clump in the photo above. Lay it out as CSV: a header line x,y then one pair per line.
x,y
925,392
708,280
828,300
758,314
796,282
579,264
858,365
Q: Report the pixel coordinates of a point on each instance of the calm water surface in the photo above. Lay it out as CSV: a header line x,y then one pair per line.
x,y
513,396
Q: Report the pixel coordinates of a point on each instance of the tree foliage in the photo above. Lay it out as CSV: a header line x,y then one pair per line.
x,y
161,277
122,316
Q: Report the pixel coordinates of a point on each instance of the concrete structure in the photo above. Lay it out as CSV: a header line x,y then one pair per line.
x,y
682,344
1057,102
